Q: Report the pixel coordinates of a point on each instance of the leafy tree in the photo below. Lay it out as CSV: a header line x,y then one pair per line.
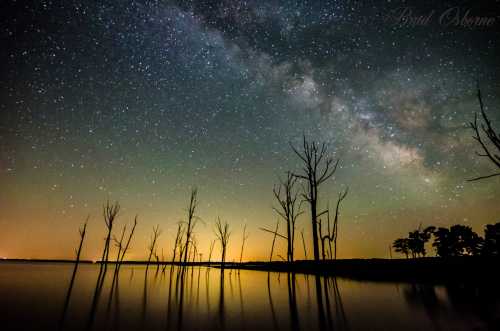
x,y
402,246
417,240
459,240
491,245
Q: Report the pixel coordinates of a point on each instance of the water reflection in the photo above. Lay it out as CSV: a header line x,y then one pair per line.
x,y
198,298
477,303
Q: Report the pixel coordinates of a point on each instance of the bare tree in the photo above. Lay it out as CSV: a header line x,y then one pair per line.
x,y
109,212
191,221
317,168
127,245
212,244
122,250
194,249
324,237
490,146
119,245
275,234
178,239
336,223
303,243
82,231
245,237
332,231
222,233
177,244
289,210
152,245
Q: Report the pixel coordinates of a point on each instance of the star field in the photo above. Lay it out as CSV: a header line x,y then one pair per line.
x,y
139,101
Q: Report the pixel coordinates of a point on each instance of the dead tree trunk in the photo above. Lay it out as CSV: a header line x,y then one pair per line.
x,y
109,212
212,244
336,221
318,167
304,243
127,245
332,230
191,221
222,233
152,245
275,234
82,232
245,237
288,210
178,242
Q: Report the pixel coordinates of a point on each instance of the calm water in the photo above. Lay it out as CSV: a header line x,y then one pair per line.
x,y
32,298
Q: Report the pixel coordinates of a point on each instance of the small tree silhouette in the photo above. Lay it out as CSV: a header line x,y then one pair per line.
x,y
401,245
82,231
244,239
109,212
152,245
289,210
275,234
127,245
332,230
191,221
222,233
178,241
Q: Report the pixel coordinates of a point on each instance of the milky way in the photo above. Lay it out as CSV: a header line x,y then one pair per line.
x,y
139,101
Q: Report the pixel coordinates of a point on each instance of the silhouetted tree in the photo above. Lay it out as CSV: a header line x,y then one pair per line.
x,y
191,221
82,232
109,212
244,239
222,233
119,244
122,250
127,245
418,239
152,245
491,245
178,241
332,230
212,244
335,230
288,209
303,243
275,234
401,245
490,146
318,167
457,241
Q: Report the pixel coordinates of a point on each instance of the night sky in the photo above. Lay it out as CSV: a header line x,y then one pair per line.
x,y
140,101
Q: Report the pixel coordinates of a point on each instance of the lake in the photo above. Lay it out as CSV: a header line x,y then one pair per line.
x,y
32,297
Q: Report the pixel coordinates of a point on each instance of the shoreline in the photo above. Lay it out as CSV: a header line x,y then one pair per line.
x,y
420,269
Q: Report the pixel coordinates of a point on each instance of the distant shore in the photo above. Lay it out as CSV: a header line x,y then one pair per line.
x,y
420,269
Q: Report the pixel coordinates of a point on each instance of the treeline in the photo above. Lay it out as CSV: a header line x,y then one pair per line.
x,y
458,240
